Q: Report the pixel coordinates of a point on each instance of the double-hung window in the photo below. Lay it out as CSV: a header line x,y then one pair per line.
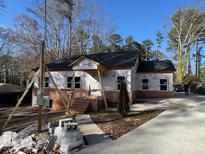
x,y
77,82
69,82
46,84
119,80
163,84
145,84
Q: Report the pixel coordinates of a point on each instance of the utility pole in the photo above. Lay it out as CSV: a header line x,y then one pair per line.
x,y
40,99
41,85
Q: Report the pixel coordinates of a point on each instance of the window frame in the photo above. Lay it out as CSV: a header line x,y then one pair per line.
x,y
118,83
166,84
143,84
70,82
46,82
79,82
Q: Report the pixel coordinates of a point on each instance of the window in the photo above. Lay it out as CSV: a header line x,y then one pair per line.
x,y
119,79
145,84
163,84
47,82
77,83
69,82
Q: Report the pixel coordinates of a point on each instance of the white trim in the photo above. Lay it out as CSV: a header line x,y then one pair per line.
x,y
81,58
164,84
116,84
147,84
74,82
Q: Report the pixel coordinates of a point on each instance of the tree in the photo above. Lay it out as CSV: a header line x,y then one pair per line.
x,y
115,42
187,26
81,38
123,105
157,54
159,39
25,39
147,45
131,44
98,45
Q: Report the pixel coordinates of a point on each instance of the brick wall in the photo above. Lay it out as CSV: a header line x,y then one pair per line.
x,y
152,94
113,96
53,94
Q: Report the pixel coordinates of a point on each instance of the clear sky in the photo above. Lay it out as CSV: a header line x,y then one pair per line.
x,y
139,18
142,18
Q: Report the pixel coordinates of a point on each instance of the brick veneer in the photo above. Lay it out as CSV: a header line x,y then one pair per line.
x,y
96,101
152,94
111,96
53,94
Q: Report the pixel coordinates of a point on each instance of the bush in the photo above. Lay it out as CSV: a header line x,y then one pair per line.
x,y
123,105
200,90
192,81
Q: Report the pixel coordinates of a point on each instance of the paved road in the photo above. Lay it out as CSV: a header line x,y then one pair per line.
x,y
178,130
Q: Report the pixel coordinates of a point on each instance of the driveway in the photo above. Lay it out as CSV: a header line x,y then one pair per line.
x,y
178,130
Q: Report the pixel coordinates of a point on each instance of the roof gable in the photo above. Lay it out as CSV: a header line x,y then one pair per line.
x,y
112,60
84,63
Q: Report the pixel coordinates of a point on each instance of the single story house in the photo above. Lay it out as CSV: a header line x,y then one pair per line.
x,y
143,78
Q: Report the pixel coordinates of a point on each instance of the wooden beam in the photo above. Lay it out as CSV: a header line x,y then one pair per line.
x,y
19,101
39,117
102,89
72,90
41,84
58,90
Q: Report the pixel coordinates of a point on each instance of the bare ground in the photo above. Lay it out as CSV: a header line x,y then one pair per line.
x,y
114,125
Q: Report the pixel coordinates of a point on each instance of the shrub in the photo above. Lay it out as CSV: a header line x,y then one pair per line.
x,y
192,81
200,90
123,105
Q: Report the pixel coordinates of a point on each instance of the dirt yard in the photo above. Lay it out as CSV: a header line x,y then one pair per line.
x,y
114,125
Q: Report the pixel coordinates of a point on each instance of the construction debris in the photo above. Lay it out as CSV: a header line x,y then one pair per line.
x,y
6,139
64,136
10,142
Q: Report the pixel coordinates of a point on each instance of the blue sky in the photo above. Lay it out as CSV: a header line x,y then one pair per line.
x,y
142,18
139,18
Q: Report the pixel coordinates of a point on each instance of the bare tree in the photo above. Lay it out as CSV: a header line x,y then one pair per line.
x,y
188,25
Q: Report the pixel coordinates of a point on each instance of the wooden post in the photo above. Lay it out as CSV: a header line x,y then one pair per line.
x,y
39,117
72,90
58,90
102,89
19,101
41,84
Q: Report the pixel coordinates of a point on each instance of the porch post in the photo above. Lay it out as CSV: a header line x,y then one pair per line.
x,y
102,89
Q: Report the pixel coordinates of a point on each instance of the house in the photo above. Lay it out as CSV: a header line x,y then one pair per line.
x,y
143,78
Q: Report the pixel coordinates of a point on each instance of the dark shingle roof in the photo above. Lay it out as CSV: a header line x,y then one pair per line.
x,y
125,59
156,66
62,64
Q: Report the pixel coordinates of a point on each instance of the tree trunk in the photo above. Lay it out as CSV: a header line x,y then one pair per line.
x,y
180,66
